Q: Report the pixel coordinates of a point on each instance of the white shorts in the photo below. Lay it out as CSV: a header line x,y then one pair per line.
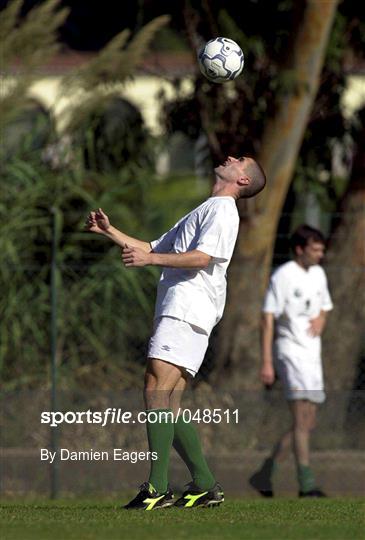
x,y
301,379
178,343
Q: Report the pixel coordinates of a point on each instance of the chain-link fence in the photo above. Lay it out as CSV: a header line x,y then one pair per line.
x,y
104,319
237,431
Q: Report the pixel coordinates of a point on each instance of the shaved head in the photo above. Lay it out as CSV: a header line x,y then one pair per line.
x,y
239,177
257,179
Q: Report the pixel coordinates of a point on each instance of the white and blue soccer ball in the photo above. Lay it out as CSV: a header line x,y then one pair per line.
x,y
221,60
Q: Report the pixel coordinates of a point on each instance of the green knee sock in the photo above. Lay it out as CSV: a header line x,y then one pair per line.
x,y
305,478
187,445
160,436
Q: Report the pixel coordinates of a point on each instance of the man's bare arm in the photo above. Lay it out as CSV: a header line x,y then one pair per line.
x,y
123,240
267,373
195,259
190,259
98,222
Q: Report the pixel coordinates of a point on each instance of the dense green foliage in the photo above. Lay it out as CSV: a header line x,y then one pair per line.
x,y
104,311
97,300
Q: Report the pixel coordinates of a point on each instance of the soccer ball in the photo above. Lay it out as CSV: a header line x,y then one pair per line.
x,y
221,60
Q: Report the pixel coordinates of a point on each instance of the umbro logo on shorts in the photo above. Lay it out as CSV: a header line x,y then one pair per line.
x,y
166,348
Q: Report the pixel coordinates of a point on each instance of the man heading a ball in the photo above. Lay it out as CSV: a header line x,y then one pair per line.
x,y
194,255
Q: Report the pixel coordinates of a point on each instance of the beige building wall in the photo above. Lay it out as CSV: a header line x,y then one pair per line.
x,y
142,92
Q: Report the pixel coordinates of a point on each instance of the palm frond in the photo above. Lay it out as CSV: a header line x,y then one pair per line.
x,y
12,100
116,61
34,39
28,44
140,42
8,20
102,69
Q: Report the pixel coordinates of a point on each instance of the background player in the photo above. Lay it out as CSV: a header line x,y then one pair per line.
x,y
294,316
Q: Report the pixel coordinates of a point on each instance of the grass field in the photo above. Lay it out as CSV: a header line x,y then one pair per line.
x,y
243,519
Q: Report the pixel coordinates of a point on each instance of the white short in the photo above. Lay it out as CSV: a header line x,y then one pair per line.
x,y
301,379
178,343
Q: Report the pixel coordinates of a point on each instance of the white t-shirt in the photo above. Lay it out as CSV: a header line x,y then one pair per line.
x,y
295,296
198,296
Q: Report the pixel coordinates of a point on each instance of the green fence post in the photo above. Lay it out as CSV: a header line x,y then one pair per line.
x,y
54,433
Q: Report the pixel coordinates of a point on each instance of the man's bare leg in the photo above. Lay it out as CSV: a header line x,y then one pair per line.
x,y
283,447
177,393
304,420
160,381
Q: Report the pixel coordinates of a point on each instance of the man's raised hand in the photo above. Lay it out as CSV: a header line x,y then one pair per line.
x,y
97,222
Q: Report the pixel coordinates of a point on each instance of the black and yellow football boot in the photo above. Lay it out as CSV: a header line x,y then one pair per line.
x,y
149,499
195,496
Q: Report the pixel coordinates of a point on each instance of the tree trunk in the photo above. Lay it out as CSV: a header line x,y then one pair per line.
x,y
237,340
345,266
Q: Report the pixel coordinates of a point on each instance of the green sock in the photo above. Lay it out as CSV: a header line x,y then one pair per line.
x,y
160,436
305,478
187,445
